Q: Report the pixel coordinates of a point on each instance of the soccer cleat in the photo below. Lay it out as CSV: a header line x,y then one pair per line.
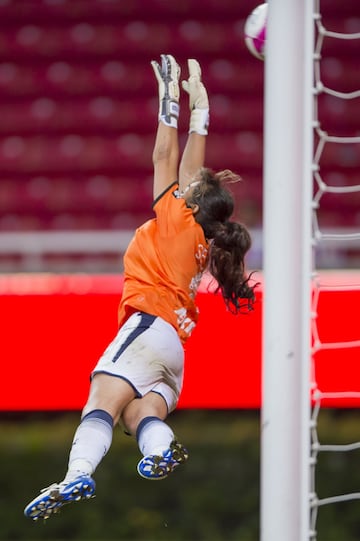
x,y
159,466
52,498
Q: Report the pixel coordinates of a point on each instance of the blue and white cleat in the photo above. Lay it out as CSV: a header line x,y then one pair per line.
x,y
156,467
52,498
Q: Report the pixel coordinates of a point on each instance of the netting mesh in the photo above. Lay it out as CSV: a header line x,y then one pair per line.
x,y
323,236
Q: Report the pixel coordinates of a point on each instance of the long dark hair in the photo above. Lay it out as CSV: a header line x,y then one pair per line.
x,y
229,240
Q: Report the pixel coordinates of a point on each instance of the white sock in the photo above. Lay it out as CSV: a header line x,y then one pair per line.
x,y
91,442
153,436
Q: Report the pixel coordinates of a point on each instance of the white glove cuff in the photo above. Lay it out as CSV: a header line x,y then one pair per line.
x,y
169,112
199,121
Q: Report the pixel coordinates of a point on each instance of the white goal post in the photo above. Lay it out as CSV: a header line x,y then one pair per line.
x,y
285,419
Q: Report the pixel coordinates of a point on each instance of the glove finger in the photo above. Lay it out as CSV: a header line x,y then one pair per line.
x,y
173,67
185,86
157,69
194,68
164,64
169,67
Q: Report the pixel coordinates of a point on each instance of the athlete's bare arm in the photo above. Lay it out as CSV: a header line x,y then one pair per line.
x,y
194,153
165,158
166,148
192,159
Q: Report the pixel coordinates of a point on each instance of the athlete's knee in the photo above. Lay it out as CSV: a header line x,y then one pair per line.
x,y
109,394
151,405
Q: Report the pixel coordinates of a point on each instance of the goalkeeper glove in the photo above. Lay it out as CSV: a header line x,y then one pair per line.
x,y
167,76
198,99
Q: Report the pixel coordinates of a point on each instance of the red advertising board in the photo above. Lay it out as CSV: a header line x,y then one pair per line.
x,y
54,328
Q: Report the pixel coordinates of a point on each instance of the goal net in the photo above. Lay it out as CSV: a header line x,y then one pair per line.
x,y
309,179
336,94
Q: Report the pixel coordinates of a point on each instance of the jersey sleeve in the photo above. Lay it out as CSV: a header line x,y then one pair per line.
x,y
172,214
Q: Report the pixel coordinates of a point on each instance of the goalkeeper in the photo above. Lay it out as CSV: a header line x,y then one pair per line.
x,y
138,380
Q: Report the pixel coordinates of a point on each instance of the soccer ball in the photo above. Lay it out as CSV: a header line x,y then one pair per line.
x,y
255,31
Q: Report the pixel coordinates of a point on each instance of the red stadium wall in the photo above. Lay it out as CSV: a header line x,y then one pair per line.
x,y
53,329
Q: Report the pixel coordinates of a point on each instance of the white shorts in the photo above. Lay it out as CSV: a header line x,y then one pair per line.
x,y
148,354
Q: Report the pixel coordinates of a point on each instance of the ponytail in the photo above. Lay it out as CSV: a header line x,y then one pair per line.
x,y
226,264
229,241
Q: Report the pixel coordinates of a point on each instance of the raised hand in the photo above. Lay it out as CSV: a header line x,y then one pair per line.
x,y
198,99
167,75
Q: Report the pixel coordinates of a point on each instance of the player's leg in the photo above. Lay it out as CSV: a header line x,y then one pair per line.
x,y
92,439
107,398
145,418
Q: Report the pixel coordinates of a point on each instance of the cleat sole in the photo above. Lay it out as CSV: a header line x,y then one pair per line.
x,y
51,500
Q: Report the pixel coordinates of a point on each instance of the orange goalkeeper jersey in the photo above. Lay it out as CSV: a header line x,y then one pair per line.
x,y
163,265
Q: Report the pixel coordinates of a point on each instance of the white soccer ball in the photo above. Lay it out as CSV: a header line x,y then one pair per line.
x,y
255,31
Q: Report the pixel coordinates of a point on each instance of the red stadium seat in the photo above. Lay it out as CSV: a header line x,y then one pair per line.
x,y
78,106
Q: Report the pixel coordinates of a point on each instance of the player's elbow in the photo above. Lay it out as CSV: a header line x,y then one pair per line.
x,y
162,150
165,154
